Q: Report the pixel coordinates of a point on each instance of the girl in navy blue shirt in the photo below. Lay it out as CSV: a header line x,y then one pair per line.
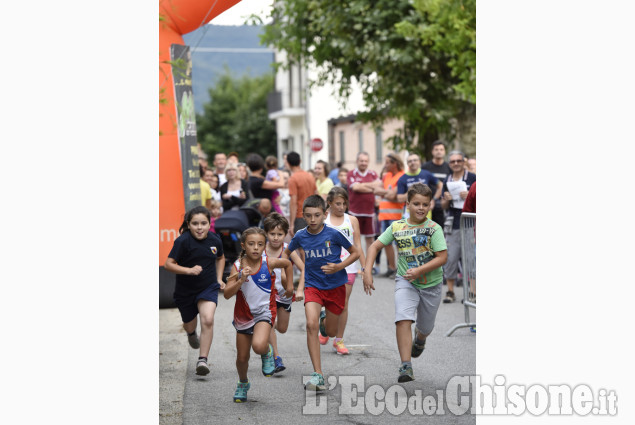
x,y
197,260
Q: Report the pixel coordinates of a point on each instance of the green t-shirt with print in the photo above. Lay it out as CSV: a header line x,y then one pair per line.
x,y
415,246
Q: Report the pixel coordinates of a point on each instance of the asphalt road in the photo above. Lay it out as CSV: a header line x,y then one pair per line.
x,y
373,360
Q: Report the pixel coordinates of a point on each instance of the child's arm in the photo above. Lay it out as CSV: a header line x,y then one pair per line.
x,y
440,257
235,281
330,268
299,292
367,276
357,240
283,263
220,268
172,266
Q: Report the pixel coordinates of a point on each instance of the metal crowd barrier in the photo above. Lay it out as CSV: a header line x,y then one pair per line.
x,y
468,259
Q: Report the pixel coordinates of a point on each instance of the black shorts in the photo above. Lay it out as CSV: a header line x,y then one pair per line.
x,y
250,331
286,307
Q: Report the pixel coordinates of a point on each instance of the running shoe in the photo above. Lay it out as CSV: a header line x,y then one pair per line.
x,y
240,395
405,374
279,365
193,340
322,327
268,364
316,383
202,368
417,349
339,347
390,273
323,339
449,297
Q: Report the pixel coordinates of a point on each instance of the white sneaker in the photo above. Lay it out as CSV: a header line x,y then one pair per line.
x,y
202,368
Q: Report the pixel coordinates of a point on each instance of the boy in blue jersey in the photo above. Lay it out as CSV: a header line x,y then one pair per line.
x,y
324,279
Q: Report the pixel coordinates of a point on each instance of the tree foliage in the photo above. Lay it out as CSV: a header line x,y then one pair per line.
x,y
236,117
413,59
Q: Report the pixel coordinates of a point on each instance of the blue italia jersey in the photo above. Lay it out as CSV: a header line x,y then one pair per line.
x,y
320,249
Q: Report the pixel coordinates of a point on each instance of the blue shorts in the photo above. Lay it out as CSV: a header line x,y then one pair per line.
x,y
188,306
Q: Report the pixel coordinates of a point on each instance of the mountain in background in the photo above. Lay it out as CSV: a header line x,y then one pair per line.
x,y
216,46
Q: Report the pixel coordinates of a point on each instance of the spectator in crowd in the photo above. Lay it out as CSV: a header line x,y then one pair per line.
x,y
206,192
389,208
322,181
334,174
416,174
274,175
455,190
243,172
439,169
214,184
301,186
284,195
220,162
233,157
341,176
235,191
259,187
471,165
361,194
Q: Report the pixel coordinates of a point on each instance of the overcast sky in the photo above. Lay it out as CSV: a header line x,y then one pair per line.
x,y
238,13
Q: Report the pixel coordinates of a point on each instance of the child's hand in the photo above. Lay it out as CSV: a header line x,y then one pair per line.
x,y
222,285
412,274
329,268
288,292
299,295
245,274
368,284
195,271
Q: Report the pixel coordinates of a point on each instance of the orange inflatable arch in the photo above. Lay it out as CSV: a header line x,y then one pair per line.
x,y
177,17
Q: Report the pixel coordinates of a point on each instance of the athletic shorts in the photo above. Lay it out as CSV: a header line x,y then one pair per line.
x,y
188,306
332,299
351,278
286,307
366,225
418,305
250,331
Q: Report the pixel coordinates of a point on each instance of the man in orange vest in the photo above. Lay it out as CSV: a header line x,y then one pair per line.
x,y
389,209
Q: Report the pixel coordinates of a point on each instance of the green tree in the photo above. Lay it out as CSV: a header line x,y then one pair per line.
x,y
413,59
236,117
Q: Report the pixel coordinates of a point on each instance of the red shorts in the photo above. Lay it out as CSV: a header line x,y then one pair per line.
x,y
366,225
332,299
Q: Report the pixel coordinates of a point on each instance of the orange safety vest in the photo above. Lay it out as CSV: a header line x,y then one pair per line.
x,y
390,210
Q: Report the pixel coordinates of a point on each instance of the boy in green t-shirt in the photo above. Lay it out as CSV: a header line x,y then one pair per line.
x,y
422,253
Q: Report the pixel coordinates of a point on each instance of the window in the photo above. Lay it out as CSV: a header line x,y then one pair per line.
x,y
379,144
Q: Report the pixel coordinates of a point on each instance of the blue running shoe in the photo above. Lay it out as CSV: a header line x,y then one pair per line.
x,y
316,383
405,374
322,328
240,396
279,365
268,365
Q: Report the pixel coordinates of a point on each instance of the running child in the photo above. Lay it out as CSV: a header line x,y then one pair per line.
x,y
198,261
337,200
276,227
252,281
422,253
325,279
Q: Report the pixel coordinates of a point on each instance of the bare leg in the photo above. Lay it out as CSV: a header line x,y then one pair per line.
x,y
260,340
282,324
190,326
404,339
206,310
312,313
243,348
341,323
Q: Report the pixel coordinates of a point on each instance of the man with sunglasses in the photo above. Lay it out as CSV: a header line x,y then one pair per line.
x,y
455,190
